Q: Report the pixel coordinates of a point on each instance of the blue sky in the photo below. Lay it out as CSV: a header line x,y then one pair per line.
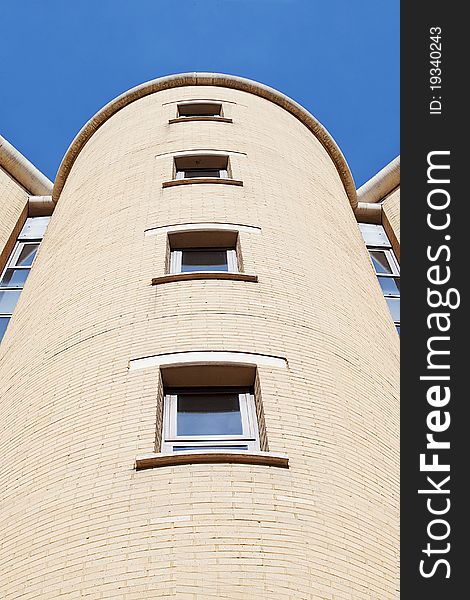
x,y
62,60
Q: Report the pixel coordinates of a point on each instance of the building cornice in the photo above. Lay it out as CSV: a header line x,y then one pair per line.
x,y
207,79
381,184
22,171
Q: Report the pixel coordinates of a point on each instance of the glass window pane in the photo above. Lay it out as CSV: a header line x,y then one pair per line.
x,y
394,307
27,254
390,285
212,413
380,261
14,278
190,173
3,325
204,448
204,260
8,300
398,329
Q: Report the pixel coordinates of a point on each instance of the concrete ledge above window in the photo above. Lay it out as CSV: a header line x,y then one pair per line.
x,y
189,276
200,118
193,180
154,459
211,358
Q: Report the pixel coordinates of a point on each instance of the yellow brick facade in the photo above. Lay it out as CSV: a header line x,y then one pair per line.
x,y
78,520
13,208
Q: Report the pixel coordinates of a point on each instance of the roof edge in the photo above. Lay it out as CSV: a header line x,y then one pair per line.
x,y
24,172
215,79
381,184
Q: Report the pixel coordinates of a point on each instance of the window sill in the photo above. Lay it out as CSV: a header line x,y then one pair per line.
x,y
185,119
153,459
170,277
225,181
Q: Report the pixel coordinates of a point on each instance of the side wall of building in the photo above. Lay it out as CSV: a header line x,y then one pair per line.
x,y
13,212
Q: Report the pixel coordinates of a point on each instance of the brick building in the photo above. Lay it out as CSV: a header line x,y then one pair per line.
x,y
199,367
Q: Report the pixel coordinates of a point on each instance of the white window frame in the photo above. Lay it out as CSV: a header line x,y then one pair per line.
x,y
394,267
16,254
176,257
180,173
249,437
11,264
376,239
395,273
391,260
32,233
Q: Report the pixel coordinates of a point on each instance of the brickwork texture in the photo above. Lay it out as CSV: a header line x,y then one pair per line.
x,y
78,521
13,206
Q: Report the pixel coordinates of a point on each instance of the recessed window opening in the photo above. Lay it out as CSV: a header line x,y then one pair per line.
x,y
202,166
203,251
201,108
210,408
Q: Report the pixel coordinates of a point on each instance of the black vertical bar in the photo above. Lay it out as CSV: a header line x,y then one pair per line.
x,y
434,121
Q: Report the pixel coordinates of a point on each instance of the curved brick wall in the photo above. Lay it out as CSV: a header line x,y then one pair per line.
x,y
78,520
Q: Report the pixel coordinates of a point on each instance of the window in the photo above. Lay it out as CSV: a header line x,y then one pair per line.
x,y
3,325
209,410
196,254
190,260
18,266
385,265
388,274
204,251
201,108
202,166
387,271
209,419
